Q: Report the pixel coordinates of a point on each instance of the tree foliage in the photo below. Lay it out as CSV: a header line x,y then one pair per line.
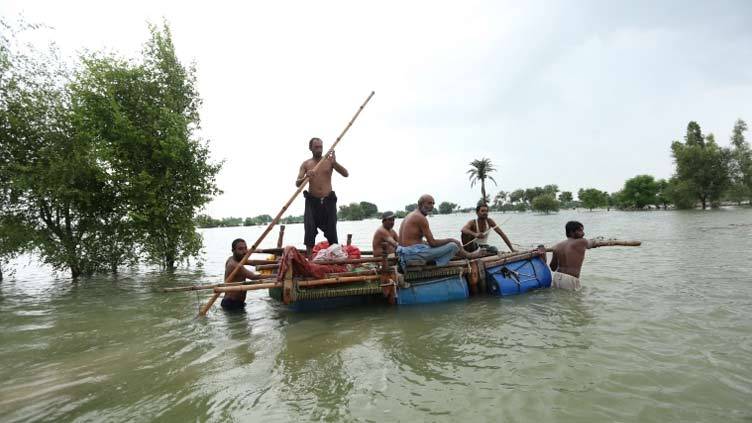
x,y
701,165
545,203
592,198
102,163
446,207
639,192
740,166
480,170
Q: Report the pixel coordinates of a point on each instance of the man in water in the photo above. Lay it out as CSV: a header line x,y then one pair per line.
x,y
236,300
387,234
475,232
415,228
321,201
568,257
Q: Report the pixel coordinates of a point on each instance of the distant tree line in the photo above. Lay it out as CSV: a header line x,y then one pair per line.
x,y
705,175
206,221
100,166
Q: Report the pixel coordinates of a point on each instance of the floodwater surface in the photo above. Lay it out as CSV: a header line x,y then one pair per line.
x,y
658,333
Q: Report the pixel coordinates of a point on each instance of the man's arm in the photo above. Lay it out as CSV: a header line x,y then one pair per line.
x,y
433,242
501,233
554,262
468,229
248,274
301,175
338,167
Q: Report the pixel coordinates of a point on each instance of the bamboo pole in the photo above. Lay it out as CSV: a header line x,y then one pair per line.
x,y
328,262
229,278
314,282
281,236
212,286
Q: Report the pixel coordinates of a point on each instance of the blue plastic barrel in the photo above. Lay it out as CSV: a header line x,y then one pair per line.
x,y
518,277
433,291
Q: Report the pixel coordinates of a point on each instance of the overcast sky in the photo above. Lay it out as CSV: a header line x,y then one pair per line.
x,y
578,94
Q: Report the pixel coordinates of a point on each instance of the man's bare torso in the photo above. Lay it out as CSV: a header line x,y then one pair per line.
x,y
381,236
320,185
240,276
569,255
411,229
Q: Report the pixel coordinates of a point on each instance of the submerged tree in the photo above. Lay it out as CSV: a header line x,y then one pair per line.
x,y
545,203
740,166
480,170
701,165
639,192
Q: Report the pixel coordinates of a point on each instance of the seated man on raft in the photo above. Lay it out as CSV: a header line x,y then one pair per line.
x,y
475,232
568,257
236,300
385,233
413,247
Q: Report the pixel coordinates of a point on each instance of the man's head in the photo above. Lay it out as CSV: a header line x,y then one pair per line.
x,y
482,210
317,147
425,204
239,248
387,219
574,229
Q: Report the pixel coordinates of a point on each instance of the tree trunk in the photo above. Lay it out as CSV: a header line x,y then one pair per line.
x,y
75,271
483,189
704,202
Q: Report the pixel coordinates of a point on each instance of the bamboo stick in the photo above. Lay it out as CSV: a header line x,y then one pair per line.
x,y
212,286
309,283
392,260
281,236
231,276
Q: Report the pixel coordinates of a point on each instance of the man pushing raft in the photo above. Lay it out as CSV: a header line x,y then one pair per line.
x,y
320,199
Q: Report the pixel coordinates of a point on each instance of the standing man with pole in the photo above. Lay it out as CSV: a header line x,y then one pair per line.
x,y
320,199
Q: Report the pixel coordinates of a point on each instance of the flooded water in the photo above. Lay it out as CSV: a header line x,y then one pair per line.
x,y
659,333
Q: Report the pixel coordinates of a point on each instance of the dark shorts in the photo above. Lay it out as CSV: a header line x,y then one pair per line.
x,y
230,304
320,213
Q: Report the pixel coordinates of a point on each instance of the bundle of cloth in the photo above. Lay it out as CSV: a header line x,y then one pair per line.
x,y
302,267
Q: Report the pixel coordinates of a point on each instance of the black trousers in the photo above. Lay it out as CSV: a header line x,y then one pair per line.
x,y
320,213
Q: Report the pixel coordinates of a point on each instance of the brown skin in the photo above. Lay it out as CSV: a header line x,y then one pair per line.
x,y
470,232
569,254
387,234
320,181
242,274
415,228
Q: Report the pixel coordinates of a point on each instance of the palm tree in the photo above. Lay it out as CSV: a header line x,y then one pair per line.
x,y
479,171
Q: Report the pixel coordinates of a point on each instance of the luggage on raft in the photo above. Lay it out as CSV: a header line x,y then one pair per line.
x,y
518,277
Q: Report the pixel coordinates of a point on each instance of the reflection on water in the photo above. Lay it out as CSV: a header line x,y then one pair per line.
x,y
659,333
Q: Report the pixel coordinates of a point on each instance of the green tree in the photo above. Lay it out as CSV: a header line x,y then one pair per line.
x,y
411,207
351,211
681,194
592,198
52,179
545,203
702,165
639,192
369,209
13,241
566,197
662,197
446,207
147,116
480,170
740,166
499,200
516,196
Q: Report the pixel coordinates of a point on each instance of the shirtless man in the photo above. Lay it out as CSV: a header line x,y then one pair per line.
x,y
475,232
387,234
236,300
415,228
321,201
568,257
